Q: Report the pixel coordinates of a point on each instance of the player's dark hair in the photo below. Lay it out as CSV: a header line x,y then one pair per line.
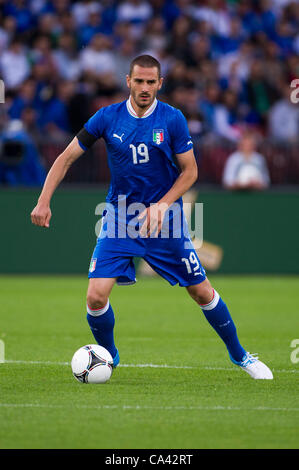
x,y
146,61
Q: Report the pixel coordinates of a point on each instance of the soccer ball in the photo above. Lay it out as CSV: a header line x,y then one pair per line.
x,y
92,364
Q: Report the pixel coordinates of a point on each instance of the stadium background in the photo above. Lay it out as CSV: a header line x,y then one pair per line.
x,y
62,60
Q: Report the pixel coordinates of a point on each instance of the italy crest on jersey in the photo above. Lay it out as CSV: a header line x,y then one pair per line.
x,y
158,136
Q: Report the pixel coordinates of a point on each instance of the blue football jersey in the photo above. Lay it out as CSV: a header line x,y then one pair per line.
x,y
140,150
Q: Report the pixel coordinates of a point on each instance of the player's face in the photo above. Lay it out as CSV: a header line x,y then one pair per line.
x,y
144,84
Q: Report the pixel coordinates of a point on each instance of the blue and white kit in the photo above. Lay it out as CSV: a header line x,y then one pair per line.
x,y
140,157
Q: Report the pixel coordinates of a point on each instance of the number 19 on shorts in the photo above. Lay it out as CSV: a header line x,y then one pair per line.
x,y
192,265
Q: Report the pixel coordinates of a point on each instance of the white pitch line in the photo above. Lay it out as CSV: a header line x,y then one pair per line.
x,y
165,366
144,407
156,366
47,363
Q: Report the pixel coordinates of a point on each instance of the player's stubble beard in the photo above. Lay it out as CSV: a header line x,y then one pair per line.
x,y
137,97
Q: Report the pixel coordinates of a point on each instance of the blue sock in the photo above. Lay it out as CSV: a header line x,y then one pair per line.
x,y
101,323
217,314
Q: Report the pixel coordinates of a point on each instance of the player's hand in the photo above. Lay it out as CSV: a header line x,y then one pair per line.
x,y
41,215
153,219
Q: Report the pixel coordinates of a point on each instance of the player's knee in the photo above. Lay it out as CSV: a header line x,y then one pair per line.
x,y
96,299
202,293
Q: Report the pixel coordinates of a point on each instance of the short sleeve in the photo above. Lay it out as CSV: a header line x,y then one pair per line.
x,y
96,124
180,137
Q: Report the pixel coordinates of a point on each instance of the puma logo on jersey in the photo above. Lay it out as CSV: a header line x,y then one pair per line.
x,y
120,137
189,142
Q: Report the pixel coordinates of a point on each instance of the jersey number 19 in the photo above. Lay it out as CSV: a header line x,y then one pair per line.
x,y
140,153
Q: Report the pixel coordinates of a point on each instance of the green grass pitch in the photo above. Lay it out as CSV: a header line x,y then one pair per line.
x,y
200,401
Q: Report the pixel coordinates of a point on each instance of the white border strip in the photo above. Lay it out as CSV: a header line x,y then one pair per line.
x,y
155,366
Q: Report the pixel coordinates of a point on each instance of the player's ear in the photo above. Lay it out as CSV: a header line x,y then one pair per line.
x,y
160,82
128,78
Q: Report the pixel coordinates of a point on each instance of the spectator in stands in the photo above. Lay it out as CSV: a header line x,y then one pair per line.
x,y
20,11
178,41
82,9
177,77
97,61
292,65
261,94
268,17
242,58
42,53
66,58
206,74
215,14
67,23
19,160
233,81
29,119
55,117
137,13
283,118
229,42
208,104
246,169
7,31
47,25
155,37
274,67
123,57
169,10
226,120
284,37
192,112
200,50
94,25
25,98
14,65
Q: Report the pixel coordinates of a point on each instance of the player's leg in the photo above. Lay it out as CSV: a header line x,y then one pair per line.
x,y
217,314
108,265
98,292
100,315
177,261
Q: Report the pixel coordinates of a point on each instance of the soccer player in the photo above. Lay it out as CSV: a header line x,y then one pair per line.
x,y
142,136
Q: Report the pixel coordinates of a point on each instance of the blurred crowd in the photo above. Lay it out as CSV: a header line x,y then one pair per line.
x,y
228,65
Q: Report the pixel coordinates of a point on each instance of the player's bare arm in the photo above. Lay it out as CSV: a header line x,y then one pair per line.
x,y
186,179
41,214
156,212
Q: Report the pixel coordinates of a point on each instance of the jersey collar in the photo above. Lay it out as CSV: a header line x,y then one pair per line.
x,y
150,110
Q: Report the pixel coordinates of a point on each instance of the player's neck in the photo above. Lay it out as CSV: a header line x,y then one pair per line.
x,y
139,111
